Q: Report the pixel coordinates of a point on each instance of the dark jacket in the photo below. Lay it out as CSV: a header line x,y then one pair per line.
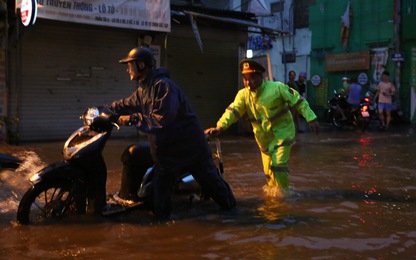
x,y
301,87
163,112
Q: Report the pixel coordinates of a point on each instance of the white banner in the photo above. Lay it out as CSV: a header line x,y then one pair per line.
x,y
379,57
150,15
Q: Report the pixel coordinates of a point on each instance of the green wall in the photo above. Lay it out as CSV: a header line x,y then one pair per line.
x,y
372,26
408,42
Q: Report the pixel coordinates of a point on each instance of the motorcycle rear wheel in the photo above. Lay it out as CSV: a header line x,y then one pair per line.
x,y
336,120
362,122
45,202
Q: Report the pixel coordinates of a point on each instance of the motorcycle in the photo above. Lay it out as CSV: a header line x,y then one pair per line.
x,y
60,189
358,117
372,104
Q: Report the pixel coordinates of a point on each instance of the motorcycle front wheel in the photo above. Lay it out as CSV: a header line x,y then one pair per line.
x,y
45,202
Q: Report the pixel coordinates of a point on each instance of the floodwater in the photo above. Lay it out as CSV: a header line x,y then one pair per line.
x,y
353,197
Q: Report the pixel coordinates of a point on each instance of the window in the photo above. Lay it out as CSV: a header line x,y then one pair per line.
x,y
409,7
288,57
277,7
301,13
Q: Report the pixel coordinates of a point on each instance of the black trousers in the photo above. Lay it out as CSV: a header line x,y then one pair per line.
x,y
204,172
136,160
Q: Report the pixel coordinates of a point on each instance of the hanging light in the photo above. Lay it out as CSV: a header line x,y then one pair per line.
x,y
249,54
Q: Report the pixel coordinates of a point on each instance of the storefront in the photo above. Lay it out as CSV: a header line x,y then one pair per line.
x,y
59,68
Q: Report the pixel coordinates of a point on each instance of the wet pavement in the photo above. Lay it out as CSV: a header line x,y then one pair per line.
x,y
353,197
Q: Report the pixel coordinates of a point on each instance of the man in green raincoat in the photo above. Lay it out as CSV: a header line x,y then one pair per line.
x,y
266,104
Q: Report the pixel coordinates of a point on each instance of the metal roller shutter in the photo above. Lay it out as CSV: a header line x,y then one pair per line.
x,y
66,68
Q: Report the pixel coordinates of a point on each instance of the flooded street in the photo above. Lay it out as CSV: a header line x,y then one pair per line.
x,y
353,197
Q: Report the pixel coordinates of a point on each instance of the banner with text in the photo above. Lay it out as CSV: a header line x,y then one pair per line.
x,y
150,15
347,61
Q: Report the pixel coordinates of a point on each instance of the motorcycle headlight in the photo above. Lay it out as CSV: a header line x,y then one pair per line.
x,y
89,115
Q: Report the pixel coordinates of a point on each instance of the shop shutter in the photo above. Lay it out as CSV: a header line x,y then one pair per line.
x,y
65,68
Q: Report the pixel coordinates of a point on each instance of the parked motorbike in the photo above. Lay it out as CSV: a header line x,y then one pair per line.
x,y
60,189
372,104
358,117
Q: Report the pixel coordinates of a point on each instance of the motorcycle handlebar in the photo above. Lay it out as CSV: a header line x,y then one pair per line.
x,y
100,118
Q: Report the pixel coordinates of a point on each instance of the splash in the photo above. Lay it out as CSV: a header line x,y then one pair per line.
x,y
31,162
277,192
9,204
15,183
274,192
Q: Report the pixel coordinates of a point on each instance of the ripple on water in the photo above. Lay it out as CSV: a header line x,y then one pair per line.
x,y
354,244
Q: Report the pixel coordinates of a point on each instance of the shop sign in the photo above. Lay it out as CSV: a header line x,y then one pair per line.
x,y
316,80
347,61
363,78
28,12
149,15
397,56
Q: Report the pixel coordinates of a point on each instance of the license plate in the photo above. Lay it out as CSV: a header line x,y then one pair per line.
x,y
365,113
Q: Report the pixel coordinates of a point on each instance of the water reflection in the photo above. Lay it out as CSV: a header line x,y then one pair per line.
x,y
353,197
274,208
366,140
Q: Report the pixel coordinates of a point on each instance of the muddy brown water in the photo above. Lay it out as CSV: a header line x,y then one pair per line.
x,y
353,197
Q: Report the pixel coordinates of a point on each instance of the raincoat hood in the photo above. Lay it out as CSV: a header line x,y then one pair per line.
x,y
155,75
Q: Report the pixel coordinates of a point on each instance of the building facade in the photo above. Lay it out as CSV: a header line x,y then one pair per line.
x,y
291,50
378,36
52,70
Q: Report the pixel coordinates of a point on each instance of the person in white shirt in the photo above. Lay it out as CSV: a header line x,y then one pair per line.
x,y
385,94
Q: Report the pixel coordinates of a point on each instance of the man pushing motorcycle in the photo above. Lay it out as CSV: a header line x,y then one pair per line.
x,y
267,104
177,141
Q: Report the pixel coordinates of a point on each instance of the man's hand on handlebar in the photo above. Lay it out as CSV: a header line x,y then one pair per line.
x,y
124,121
213,131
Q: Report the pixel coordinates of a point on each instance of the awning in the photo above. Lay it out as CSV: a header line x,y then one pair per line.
x,y
264,30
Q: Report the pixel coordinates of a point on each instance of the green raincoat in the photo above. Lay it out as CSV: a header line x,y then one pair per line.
x,y
267,108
